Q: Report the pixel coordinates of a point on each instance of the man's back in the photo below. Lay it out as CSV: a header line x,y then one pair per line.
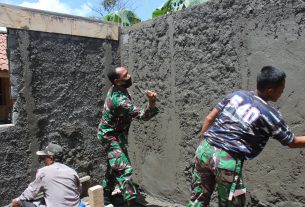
x,y
60,184
245,123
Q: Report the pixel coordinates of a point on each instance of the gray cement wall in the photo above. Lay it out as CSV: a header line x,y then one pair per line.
x,y
58,82
192,58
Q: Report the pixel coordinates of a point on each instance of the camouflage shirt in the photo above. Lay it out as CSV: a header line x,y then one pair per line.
x,y
118,113
245,123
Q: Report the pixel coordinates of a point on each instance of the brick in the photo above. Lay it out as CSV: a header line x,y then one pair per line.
x,y
96,197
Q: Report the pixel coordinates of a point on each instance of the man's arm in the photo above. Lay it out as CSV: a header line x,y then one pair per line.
x,y
32,190
298,142
78,183
148,112
207,122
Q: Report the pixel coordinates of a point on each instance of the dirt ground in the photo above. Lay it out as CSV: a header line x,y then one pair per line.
x,y
142,200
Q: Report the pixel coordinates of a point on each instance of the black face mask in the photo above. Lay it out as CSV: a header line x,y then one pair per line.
x,y
126,83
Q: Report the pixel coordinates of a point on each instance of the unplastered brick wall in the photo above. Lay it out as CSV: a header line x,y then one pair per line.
x,y
58,82
192,58
3,56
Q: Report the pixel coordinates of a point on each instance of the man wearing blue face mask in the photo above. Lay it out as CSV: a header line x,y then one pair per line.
x,y
118,112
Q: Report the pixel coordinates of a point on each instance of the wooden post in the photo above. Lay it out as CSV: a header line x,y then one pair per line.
x,y
96,196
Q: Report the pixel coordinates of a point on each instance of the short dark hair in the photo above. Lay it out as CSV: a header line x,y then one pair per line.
x,y
58,158
112,75
55,158
270,77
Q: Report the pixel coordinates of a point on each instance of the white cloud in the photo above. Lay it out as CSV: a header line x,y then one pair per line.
x,y
84,10
5,1
57,6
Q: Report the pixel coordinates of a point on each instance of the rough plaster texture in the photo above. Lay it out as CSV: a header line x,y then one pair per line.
x,y
192,58
57,84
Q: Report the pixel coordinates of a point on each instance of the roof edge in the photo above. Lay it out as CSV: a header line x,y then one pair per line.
x,y
18,17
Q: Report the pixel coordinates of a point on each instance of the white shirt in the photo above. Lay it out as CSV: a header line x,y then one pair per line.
x,y
59,183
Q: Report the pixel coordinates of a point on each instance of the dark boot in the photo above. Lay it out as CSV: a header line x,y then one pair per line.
x,y
107,198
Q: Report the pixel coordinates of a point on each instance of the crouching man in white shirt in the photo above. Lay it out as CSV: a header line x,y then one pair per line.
x,y
59,183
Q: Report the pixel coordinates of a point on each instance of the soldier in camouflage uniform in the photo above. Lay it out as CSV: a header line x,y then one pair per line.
x,y
117,115
238,129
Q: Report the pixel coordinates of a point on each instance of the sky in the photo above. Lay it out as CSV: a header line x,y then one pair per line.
x,y
142,8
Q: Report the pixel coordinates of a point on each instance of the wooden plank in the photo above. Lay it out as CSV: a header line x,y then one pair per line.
x,y
85,178
37,20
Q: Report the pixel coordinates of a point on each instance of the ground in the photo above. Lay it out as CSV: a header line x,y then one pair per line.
x,y
143,200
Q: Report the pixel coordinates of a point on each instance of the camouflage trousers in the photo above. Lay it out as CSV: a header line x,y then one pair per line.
x,y
214,167
119,171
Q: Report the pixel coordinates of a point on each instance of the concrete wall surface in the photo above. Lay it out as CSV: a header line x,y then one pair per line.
x,y
192,58
57,85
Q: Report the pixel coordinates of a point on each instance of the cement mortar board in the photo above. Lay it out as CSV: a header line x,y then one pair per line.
x,y
37,20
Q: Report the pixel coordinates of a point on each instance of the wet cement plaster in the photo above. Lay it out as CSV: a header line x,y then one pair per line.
x,y
58,83
192,58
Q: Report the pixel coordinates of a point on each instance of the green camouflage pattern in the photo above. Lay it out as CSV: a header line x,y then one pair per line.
x,y
119,171
214,167
119,111
117,115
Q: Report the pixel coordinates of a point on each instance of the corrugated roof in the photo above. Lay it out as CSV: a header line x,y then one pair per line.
x,y
3,55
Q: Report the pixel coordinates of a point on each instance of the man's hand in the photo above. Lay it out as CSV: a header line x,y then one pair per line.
x,y
152,97
15,203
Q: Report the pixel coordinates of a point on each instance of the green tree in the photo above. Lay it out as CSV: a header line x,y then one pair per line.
x,y
109,5
119,11
171,6
124,17
105,7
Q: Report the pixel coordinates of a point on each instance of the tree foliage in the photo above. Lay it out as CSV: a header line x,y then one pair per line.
x,y
175,5
124,17
109,5
105,7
